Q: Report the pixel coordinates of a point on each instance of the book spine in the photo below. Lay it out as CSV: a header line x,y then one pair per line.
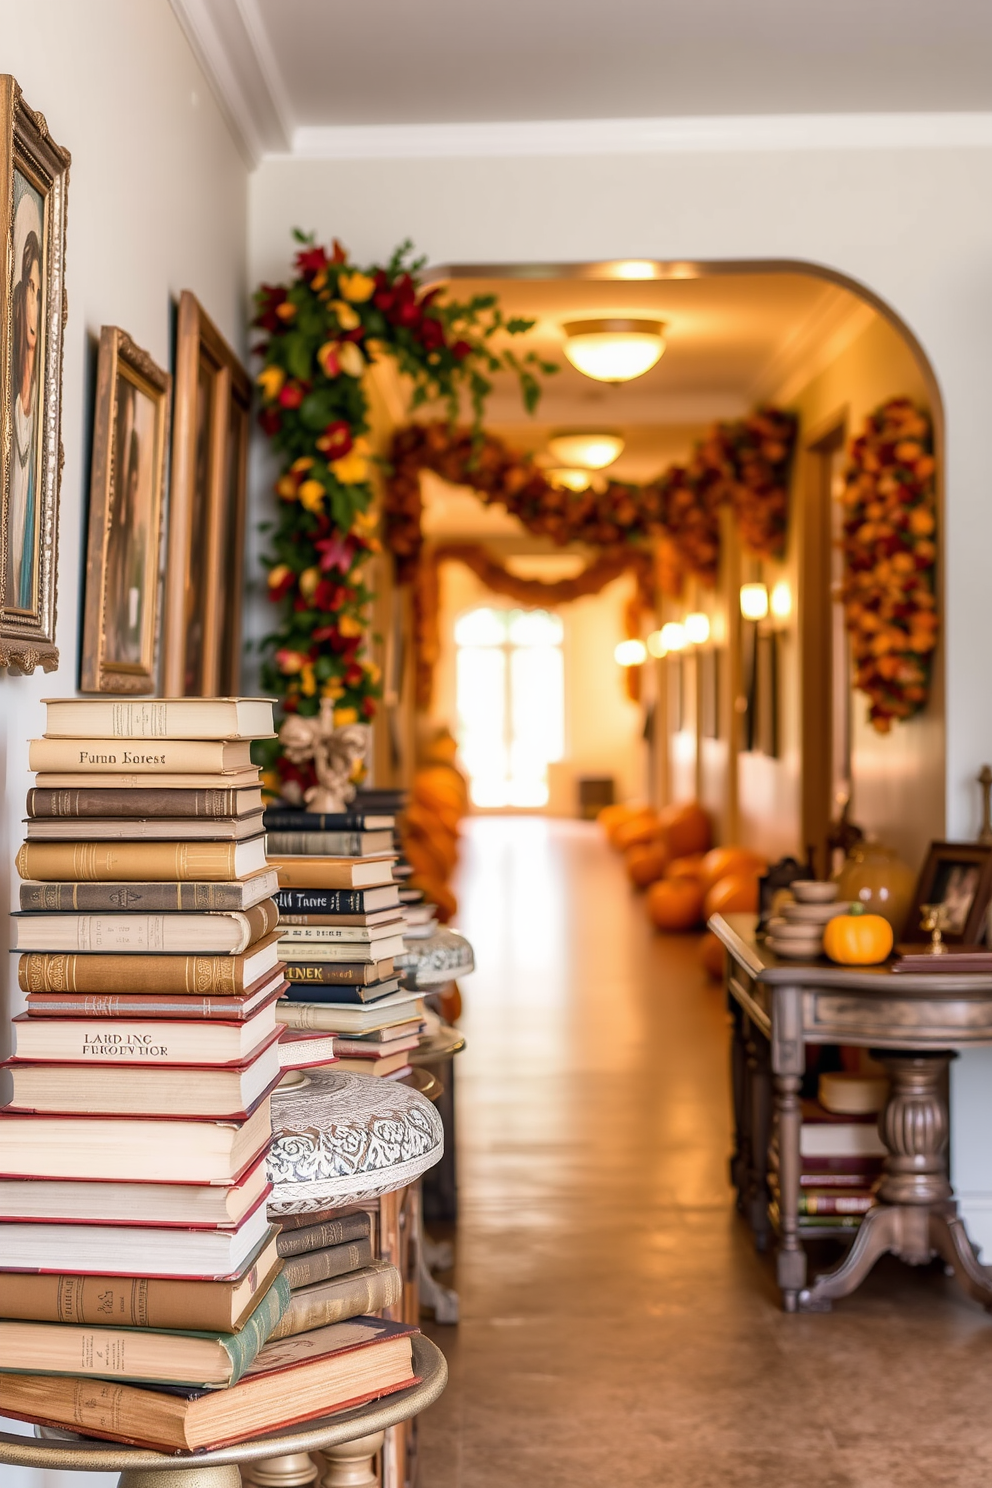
x,y
145,718
153,898
321,901
201,975
333,844
57,861
320,1236
242,1348
327,934
224,1009
99,756
313,821
337,973
94,802
135,933
129,1302
320,1265
334,992
368,1290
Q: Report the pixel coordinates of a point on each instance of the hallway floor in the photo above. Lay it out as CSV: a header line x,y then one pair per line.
x,y
617,1326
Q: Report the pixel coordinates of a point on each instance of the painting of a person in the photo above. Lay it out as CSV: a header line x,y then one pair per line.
x,y
26,370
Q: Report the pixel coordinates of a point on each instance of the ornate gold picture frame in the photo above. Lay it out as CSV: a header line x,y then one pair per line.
x,y
205,565
34,175
127,491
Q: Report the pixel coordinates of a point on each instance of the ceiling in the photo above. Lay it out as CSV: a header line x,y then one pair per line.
x,y
285,66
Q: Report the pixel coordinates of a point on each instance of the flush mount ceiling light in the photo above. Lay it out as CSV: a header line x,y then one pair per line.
x,y
614,350
568,479
592,449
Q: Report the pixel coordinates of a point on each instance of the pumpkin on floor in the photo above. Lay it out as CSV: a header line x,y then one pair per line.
x,y
675,904
645,862
685,828
688,867
639,829
857,939
735,894
612,816
722,862
713,956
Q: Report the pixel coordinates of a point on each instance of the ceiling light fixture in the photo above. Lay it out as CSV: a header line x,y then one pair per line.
x,y
593,449
570,480
630,653
615,350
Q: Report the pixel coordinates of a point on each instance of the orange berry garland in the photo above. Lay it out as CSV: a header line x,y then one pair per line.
x,y
890,560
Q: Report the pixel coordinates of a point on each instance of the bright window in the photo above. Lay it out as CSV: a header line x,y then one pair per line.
x,y
511,703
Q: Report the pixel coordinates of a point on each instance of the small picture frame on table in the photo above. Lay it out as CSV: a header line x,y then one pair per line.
x,y
958,876
34,177
127,494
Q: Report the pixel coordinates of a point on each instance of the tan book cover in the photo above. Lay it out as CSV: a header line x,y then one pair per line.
x,y
117,780
320,1265
145,934
332,873
367,1290
164,756
140,861
49,971
159,718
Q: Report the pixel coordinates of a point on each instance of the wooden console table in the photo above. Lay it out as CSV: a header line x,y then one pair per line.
x,y
915,1022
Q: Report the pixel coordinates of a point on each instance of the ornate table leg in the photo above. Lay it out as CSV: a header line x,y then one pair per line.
x,y
292,1470
760,1093
791,1261
181,1477
352,1465
740,1161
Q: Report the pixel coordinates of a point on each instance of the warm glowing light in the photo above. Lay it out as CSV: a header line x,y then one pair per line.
x,y
754,601
570,480
697,628
614,350
654,645
635,268
630,653
593,450
782,600
673,636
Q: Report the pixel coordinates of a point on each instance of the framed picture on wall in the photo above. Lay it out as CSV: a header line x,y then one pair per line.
x,y
957,876
34,175
127,490
205,561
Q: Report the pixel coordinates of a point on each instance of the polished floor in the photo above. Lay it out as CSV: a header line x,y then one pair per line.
x,y
617,1326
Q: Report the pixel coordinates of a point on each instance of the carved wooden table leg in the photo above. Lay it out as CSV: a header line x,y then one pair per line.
x,y
915,1217
352,1465
740,1161
292,1470
760,1091
791,1260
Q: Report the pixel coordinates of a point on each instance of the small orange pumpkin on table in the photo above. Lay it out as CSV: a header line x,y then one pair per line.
x,y
857,938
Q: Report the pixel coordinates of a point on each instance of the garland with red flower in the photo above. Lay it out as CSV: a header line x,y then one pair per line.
x,y
890,560
321,332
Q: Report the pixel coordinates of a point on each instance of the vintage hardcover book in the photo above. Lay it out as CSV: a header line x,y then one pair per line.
x,y
208,1091
142,1301
340,1230
367,1290
286,819
118,780
164,756
340,951
330,844
143,1355
142,829
159,718
50,971
131,1250
131,1150
386,917
293,1380
338,973
191,805
395,1009
151,898
138,861
953,959
142,1041
309,989
134,933
390,1064
857,1202
376,1047
337,901
154,1005
331,873
335,1260
310,934
305,1050
193,1206
840,1139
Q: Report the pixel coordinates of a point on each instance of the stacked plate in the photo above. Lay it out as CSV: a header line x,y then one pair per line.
x,y
798,931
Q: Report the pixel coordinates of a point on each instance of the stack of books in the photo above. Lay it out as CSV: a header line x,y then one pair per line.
x,y
841,1156
330,1267
134,1243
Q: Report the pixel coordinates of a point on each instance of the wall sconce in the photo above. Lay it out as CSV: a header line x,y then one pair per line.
x,y
697,628
781,600
673,636
630,653
754,601
654,645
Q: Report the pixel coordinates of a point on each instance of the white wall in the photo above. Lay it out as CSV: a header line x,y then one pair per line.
x,y
157,204
913,225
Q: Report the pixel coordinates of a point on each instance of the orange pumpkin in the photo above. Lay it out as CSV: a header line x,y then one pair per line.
x,y
688,867
645,862
735,894
640,829
675,904
612,816
685,828
713,956
631,814
724,861
857,939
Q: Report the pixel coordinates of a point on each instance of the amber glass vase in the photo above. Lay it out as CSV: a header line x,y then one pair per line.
x,y
877,877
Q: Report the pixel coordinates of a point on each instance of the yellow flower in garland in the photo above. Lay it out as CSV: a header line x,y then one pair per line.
x,y
333,688
373,671
353,468
344,716
365,523
309,579
349,626
286,311
348,317
312,496
270,380
356,287
278,575
308,680
350,359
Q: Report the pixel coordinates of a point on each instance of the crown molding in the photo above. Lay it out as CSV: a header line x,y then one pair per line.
x,y
228,42
833,323
770,132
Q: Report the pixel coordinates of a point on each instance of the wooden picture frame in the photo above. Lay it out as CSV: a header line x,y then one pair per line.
x,y
127,496
34,176
961,871
205,563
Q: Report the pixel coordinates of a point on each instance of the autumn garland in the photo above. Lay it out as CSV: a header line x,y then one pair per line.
x,y
322,331
890,558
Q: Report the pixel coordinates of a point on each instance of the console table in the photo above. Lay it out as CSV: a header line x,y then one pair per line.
x,y
915,1022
